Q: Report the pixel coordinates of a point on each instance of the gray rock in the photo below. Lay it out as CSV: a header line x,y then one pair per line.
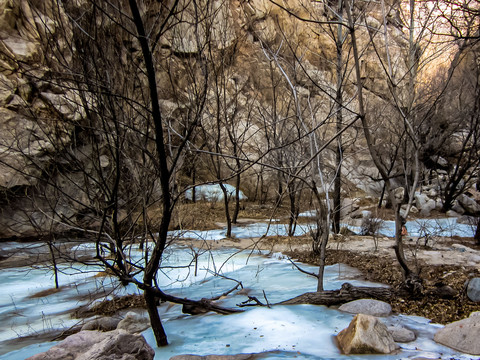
x,y
473,289
215,357
366,335
134,323
428,207
96,345
469,204
421,200
458,208
461,335
399,193
451,213
102,324
401,334
367,307
468,220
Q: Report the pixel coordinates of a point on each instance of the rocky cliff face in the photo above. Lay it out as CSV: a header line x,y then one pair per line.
x,y
276,72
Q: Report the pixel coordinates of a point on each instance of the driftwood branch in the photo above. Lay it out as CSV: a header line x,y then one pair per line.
x,y
347,293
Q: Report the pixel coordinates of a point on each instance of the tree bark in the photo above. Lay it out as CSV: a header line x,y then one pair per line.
x,y
347,293
155,321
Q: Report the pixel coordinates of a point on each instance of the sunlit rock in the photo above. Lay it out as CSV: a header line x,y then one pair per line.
x,y
367,307
96,345
461,335
366,335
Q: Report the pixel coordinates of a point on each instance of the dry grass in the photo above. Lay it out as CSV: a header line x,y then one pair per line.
x,y
45,292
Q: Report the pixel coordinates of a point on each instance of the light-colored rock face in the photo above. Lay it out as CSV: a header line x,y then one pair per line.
x,y
367,307
95,345
461,335
366,335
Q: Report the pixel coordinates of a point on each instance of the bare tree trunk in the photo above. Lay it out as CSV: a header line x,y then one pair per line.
x,y
157,252
237,197
54,263
227,211
338,108
155,321
477,233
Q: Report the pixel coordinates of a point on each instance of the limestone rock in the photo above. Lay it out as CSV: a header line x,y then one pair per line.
x,y
421,200
134,323
101,324
215,357
96,345
366,335
458,208
401,334
367,307
473,289
428,207
469,204
461,335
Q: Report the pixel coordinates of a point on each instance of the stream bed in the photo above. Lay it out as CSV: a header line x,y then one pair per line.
x,y
282,332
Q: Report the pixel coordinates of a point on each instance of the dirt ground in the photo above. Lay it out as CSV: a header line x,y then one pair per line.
x,y
445,265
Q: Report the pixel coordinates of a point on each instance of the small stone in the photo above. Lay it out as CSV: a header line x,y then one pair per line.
x,y
401,334
134,323
473,289
367,307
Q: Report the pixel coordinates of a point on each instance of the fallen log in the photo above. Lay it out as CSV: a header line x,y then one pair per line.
x,y
347,293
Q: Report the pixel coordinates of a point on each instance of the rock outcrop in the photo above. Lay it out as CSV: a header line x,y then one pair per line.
x,y
96,345
366,335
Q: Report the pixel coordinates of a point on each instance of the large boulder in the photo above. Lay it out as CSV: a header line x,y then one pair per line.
x,y
96,345
367,307
366,335
428,207
461,335
469,204
473,289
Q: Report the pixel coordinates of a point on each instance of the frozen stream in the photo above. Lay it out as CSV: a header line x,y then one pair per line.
x,y
286,332
436,227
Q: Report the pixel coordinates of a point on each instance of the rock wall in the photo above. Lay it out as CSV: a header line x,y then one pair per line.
x,y
270,62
